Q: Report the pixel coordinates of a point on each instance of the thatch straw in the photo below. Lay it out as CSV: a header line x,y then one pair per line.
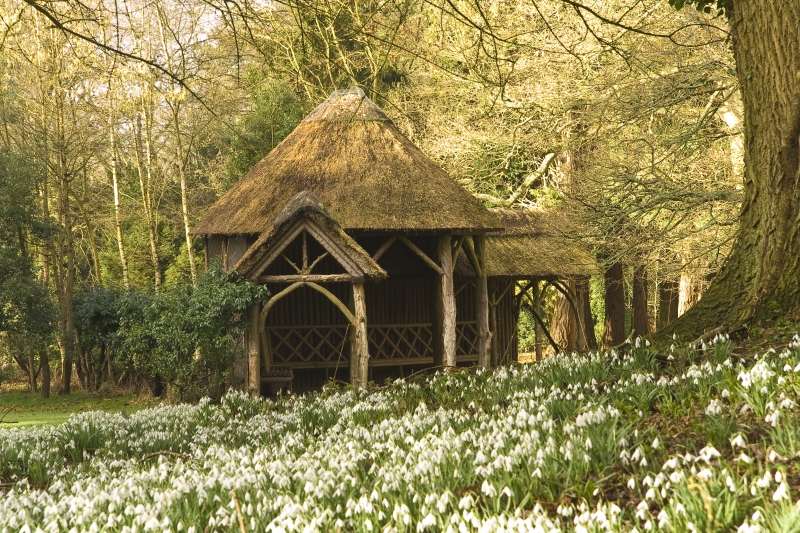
x,y
535,245
306,205
367,173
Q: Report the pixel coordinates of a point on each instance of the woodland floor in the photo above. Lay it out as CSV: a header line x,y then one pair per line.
x,y
673,438
20,407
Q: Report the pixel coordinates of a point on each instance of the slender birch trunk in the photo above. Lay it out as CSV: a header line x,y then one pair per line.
x,y
144,165
117,214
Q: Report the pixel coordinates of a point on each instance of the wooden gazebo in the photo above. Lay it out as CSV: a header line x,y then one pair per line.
x,y
376,258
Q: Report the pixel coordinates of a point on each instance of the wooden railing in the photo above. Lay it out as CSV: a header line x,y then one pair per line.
x,y
389,345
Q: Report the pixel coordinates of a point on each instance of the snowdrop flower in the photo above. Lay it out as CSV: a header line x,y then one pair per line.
x,y
781,493
427,522
738,442
656,443
488,489
774,457
744,458
663,519
708,453
641,510
714,408
705,474
631,483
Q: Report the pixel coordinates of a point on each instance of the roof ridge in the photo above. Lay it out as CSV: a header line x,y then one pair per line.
x,y
347,105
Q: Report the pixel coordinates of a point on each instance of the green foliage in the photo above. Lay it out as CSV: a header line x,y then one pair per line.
x,y
96,314
25,305
186,335
274,113
527,330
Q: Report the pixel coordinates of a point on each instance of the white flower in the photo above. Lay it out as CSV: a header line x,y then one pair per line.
x,y
705,474
488,489
714,408
774,457
641,510
738,442
631,483
781,493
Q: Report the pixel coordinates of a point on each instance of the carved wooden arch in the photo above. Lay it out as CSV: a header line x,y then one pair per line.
x,y
262,332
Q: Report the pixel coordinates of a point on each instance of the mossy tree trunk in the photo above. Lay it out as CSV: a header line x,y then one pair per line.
x,y
614,332
761,279
640,322
583,296
564,324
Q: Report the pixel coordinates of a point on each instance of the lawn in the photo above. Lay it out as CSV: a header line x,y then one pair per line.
x,y
695,440
19,407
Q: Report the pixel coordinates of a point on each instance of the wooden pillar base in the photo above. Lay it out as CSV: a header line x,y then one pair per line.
x,y
448,303
359,341
254,353
482,302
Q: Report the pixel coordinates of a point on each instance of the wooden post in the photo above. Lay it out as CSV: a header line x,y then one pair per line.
x,y
359,342
437,338
254,353
448,306
537,308
493,324
482,303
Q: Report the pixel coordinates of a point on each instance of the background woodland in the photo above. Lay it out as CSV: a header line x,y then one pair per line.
x,y
121,122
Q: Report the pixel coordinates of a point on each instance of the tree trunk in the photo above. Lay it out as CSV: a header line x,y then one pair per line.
x,y
181,158
563,322
45,362
31,369
92,241
689,292
66,279
144,158
640,322
614,333
587,320
761,279
81,367
117,214
667,303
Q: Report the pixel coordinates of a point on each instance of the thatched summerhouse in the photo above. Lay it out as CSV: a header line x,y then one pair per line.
x,y
379,263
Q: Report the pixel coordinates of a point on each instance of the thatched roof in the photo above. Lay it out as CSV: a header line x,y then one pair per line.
x,y
535,245
306,207
366,172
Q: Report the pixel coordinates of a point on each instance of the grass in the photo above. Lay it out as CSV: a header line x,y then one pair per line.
x,y
20,407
